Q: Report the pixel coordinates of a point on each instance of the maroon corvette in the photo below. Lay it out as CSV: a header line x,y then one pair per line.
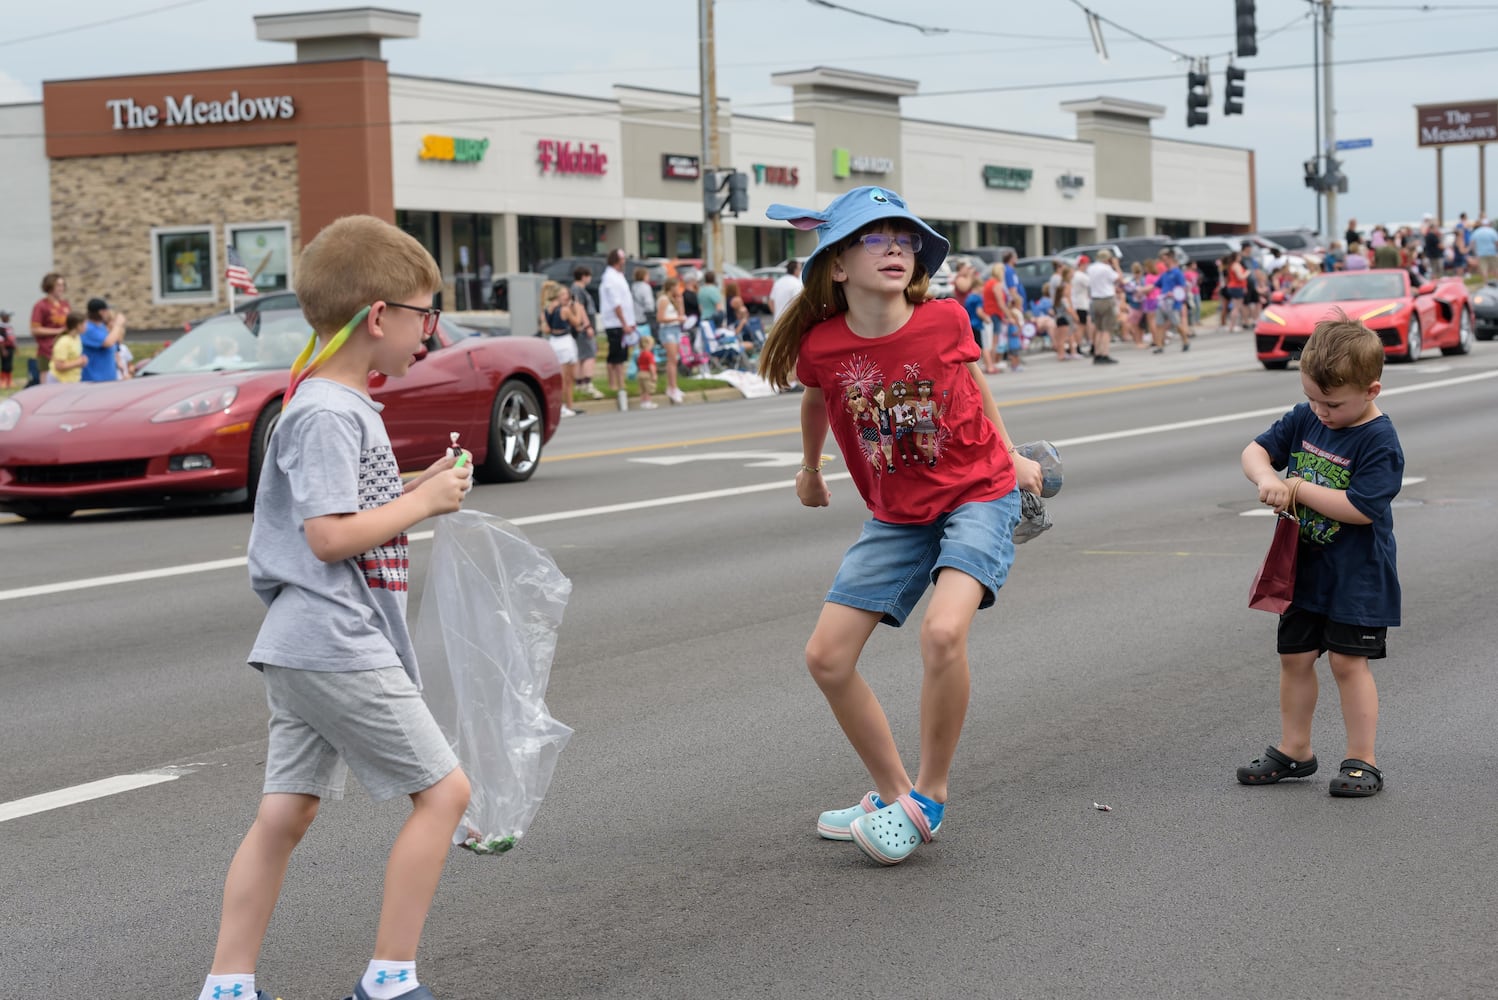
x,y
1407,318
192,427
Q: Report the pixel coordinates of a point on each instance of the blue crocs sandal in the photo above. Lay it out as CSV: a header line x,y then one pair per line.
x,y
833,824
890,835
419,993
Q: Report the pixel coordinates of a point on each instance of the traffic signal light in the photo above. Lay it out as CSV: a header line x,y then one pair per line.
x,y
1248,42
738,192
1313,174
711,203
1198,96
1232,101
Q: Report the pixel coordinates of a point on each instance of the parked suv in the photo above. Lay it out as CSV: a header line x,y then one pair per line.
x,y
1128,249
1206,251
560,270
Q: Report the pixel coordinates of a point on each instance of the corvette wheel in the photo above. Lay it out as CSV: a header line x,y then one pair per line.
x,y
1463,343
1413,344
516,427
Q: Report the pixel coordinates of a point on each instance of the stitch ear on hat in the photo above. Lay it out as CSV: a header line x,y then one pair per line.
x,y
800,218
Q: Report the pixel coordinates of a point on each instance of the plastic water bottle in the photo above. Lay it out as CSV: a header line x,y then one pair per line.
x,y
1050,464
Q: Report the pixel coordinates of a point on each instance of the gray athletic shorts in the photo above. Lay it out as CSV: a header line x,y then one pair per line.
x,y
374,722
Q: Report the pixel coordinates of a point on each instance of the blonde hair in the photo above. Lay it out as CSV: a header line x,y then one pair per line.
x,y
356,261
1342,351
822,298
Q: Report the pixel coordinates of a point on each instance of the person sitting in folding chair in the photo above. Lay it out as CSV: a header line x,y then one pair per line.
x,y
722,345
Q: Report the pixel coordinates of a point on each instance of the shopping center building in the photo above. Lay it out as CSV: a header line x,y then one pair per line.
x,y
136,187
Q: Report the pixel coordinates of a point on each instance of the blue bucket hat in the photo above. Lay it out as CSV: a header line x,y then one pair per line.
x,y
850,212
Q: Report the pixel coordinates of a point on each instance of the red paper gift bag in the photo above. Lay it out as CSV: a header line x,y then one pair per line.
x,y
1274,586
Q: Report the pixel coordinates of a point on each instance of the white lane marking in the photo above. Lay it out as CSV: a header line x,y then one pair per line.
x,y
82,793
42,590
751,459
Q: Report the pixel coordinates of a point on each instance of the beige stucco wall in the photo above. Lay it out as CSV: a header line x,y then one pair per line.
x,y
104,207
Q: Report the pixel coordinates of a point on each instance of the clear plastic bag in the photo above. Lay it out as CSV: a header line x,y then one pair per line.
x,y
1034,520
485,637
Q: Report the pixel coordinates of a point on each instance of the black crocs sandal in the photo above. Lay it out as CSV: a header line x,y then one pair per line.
x,y
1358,779
1275,766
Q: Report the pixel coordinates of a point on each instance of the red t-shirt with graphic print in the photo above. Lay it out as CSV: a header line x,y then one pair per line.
x,y
907,414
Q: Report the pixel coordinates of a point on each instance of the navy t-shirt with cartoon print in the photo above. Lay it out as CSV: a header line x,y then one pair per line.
x,y
1346,572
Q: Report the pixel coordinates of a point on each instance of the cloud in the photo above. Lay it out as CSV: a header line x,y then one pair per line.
x,y
13,91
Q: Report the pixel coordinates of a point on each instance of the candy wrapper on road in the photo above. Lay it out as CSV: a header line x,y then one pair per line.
x,y
485,636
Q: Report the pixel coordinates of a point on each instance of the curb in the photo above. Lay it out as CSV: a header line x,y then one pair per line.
x,y
690,398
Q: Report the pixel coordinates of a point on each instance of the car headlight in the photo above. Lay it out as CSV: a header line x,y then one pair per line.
x,y
1478,299
199,405
10,414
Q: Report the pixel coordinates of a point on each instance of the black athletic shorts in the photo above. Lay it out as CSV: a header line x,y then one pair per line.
x,y
618,353
1304,631
1082,317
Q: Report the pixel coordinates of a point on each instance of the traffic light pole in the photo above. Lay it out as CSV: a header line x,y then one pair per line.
x,y
1329,111
712,230
1316,104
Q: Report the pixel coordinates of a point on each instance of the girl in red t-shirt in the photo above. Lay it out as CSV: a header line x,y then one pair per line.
x,y
944,511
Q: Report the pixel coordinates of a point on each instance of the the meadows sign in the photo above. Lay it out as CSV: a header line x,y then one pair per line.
x,y
190,111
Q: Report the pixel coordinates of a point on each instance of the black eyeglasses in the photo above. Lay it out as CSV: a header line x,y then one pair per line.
x,y
877,243
428,316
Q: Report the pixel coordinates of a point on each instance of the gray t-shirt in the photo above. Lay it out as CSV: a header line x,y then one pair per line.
x,y
329,455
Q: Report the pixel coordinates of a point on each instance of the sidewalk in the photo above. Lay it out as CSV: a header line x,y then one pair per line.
x,y
611,404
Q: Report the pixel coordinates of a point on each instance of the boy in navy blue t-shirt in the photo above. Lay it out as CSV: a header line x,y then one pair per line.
x,y
1345,467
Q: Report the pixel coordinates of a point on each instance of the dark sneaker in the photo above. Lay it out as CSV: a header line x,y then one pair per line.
x,y
1104,359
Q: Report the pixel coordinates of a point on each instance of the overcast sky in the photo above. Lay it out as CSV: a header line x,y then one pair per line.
x,y
586,46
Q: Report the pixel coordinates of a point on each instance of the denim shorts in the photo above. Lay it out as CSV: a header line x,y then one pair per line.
x,y
670,333
891,565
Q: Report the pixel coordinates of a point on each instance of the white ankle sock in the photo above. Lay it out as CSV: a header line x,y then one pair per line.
x,y
234,986
387,980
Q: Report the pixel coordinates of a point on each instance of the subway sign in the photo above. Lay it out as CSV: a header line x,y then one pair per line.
x,y
191,111
453,149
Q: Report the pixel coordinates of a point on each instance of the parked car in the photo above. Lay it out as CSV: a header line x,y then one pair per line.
x,y
1128,249
250,304
560,270
1407,319
1298,241
1034,272
1485,310
988,255
753,289
192,428
1206,251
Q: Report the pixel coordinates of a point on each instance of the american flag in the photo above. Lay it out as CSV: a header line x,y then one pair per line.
x,y
238,276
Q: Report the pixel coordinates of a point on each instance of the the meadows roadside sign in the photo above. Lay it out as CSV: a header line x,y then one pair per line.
x,y
188,110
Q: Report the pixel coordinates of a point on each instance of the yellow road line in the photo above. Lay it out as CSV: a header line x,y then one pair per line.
x,y
695,442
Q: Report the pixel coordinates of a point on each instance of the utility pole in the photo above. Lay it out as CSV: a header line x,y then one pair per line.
x,y
1316,103
707,72
1329,112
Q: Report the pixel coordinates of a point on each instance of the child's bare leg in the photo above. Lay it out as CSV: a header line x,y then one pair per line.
x,y
1298,692
415,866
945,686
254,880
1359,704
832,657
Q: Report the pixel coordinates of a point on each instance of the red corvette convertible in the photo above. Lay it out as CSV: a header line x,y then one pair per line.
x,y
192,427
1406,319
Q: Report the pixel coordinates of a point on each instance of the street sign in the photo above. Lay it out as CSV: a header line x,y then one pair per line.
x,y
1354,143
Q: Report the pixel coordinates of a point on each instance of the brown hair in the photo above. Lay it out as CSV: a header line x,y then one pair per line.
x,y
356,261
1340,352
642,274
74,321
50,281
822,298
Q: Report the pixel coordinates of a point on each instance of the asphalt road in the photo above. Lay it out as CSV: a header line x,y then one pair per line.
x,y
676,853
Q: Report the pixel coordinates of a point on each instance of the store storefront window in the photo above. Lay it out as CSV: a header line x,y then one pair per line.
x,y
758,247
473,243
1178,229
182,265
539,240
1003,234
265,250
423,226
1058,238
586,237
949,228
652,239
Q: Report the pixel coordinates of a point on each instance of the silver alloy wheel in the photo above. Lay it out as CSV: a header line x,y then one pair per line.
x,y
1412,341
515,434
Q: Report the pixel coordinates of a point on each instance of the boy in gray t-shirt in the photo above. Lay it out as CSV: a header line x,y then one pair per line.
x,y
328,556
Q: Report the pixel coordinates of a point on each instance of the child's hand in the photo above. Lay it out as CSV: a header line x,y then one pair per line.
x,y
1027,473
811,489
445,489
1275,492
